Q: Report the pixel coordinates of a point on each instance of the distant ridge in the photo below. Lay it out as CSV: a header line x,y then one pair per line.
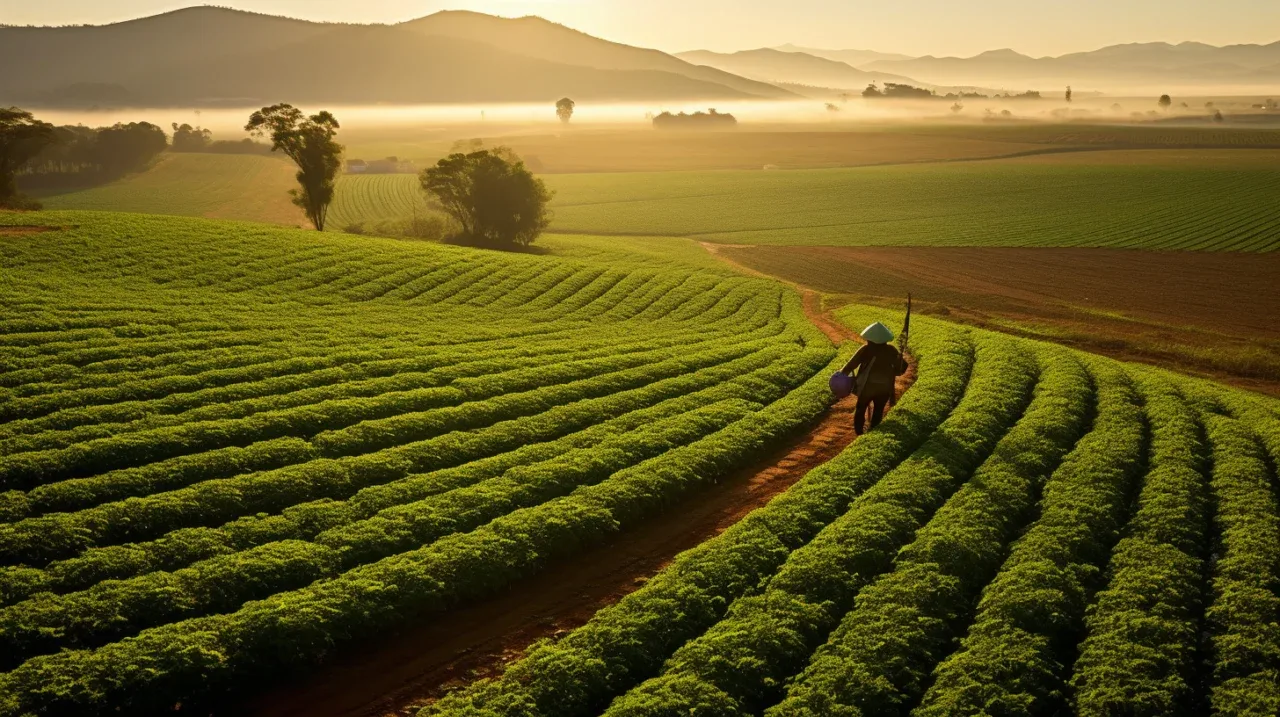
x,y
799,68
203,56
1186,65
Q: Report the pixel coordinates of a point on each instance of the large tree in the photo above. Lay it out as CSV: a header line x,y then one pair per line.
x,y
309,142
22,137
491,195
1164,102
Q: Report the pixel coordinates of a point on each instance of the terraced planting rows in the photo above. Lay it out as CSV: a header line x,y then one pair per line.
x,y
228,450
1032,531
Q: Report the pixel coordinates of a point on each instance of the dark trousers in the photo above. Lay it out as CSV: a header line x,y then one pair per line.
x,y
877,404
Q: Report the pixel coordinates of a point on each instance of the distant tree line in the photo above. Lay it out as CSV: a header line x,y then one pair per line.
x,y
196,139
895,90
710,119
81,155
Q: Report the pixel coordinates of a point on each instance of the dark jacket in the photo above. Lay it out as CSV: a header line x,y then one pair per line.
x,y
883,361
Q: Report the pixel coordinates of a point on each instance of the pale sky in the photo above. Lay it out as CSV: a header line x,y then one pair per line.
x,y
916,27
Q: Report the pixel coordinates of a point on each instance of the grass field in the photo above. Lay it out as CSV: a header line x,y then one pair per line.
x,y
229,451
242,187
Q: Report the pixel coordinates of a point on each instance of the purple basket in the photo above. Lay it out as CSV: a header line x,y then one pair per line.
x,y
841,384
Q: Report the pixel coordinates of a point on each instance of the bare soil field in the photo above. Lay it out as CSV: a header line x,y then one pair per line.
x,y
1211,313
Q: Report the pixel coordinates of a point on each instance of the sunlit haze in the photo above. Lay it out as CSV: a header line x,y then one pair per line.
x,y
916,27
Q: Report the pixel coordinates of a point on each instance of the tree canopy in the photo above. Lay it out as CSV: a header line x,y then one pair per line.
x,y
22,137
493,197
1165,101
564,109
309,142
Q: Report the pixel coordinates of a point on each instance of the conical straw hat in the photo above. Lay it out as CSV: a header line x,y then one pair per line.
x,y
877,333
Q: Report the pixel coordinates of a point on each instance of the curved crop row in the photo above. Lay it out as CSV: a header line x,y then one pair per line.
x,y
1139,655
1244,615
627,642
408,447
1016,655
879,658
164,664
113,610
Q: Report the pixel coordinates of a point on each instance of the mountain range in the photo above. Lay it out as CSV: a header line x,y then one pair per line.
x,y
1188,65
207,56
791,67
215,56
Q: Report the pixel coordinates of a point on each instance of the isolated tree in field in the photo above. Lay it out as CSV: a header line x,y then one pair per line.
x,y
309,142
832,107
564,109
491,195
1068,94
1164,102
22,137
1217,116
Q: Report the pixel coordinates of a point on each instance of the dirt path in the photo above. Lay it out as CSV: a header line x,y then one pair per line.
x,y
396,675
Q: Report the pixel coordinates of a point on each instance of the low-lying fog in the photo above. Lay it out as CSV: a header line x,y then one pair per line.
x,y
228,123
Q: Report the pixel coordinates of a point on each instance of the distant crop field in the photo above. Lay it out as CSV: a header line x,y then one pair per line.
x,y
1213,200
245,187
376,197
1113,135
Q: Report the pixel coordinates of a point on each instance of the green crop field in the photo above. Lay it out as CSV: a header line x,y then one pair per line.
x,y
247,187
1028,533
1218,200
376,197
228,451
1210,200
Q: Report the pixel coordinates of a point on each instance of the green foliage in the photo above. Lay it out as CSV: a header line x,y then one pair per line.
x,y
491,195
309,142
879,659
1014,659
22,137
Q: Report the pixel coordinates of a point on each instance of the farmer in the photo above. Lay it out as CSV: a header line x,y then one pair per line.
x,y
877,366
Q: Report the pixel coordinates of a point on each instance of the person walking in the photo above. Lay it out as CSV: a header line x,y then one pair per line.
x,y
875,369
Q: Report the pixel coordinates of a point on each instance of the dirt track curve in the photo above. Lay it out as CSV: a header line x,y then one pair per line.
x,y
398,674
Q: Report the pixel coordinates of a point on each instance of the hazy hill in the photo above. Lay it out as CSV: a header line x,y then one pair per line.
x,y
857,58
210,56
545,40
1139,65
791,67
